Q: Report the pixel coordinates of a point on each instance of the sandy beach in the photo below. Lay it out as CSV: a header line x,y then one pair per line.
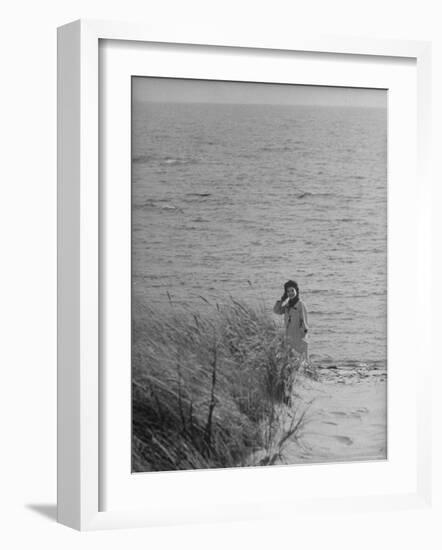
x,y
346,417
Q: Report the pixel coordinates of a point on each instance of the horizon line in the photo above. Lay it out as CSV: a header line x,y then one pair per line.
x,y
173,102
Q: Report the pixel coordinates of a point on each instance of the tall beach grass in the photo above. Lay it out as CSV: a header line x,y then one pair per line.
x,y
210,389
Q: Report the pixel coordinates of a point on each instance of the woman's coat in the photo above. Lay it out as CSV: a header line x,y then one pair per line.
x,y
296,324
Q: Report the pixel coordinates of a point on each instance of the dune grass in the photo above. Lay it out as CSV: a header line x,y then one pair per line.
x,y
209,390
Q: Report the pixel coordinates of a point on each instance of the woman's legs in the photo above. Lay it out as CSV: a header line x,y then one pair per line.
x,y
307,357
303,348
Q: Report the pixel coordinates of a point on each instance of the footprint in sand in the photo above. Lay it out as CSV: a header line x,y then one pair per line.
x,y
349,414
344,439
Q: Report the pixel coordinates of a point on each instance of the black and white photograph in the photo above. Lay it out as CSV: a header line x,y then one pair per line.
x,y
259,274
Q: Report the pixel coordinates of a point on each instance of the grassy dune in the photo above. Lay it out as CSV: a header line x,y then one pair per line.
x,y
210,390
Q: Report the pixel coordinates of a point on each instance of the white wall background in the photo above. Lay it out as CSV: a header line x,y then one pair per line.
x,y
28,247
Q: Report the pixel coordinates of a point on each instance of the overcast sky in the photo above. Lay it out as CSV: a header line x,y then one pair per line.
x,y
206,91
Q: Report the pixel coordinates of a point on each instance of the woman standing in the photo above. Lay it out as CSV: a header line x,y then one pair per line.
x,y
295,318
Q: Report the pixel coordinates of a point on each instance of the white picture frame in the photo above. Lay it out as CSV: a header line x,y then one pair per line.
x,y
82,297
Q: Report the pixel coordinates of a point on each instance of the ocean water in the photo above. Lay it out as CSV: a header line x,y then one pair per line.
x,y
236,199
